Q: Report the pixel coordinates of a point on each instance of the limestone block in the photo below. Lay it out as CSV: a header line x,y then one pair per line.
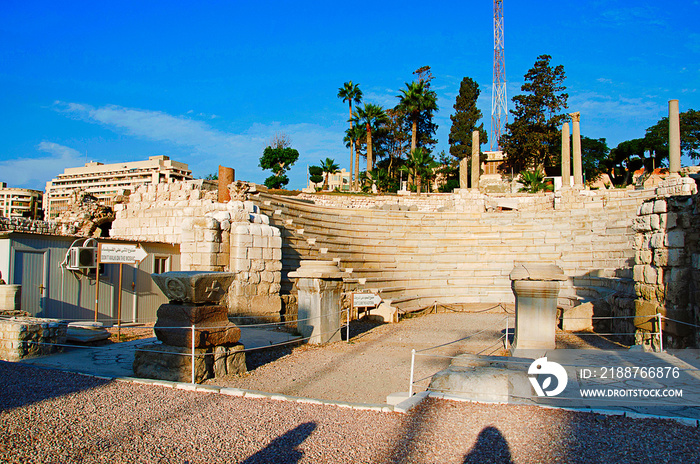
x,y
257,265
243,240
643,257
267,276
275,241
277,254
675,239
266,230
263,288
650,275
229,360
647,208
275,288
275,231
654,221
578,318
642,224
267,254
255,229
659,206
260,241
658,240
638,273
255,253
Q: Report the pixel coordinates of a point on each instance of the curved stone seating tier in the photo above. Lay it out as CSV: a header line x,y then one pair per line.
x,y
417,258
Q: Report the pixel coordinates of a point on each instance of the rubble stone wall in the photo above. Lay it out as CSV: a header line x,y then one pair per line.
x,y
667,264
233,237
29,225
22,337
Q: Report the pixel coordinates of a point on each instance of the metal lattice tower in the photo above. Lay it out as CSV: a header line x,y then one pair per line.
x,y
499,108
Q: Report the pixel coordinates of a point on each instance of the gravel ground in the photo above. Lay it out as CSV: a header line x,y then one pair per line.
x,y
56,417
377,361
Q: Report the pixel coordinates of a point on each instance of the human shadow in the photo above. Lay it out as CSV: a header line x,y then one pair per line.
x,y
282,450
22,385
491,446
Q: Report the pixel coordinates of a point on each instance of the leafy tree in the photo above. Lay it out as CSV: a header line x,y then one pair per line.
x,y
594,153
212,176
532,140
315,174
328,167
370,116
418,102
279,160
421,165
465,120
656,137
533,182
350,93
624,159
390,142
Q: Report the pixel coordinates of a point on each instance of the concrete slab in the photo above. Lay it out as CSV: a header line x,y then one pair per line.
x,y
116,360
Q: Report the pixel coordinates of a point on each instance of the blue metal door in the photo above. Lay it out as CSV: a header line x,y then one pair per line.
x,y
30,271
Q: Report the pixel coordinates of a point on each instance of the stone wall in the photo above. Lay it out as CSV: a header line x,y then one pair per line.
x,y
667,264
213,236
29,225
22,337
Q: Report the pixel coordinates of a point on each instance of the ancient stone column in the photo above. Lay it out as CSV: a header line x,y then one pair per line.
x,y
565,156
536,289
320,287
578,171
476,168
226,177
674,137
464,173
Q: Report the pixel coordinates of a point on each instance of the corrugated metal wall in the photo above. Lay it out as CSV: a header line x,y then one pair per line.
x,y
69,295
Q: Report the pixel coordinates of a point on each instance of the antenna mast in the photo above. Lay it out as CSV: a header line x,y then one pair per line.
x,y
499,108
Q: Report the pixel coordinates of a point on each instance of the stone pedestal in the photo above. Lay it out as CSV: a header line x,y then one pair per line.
x,y
174,363
212,327
536,289
464,173
10,297
320,286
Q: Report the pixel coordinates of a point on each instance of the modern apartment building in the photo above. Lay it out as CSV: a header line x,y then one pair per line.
x,y
20,203
106,181
340,180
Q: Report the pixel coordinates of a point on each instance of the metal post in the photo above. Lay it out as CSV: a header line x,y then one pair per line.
x,y
97,281
506,343
413,361
193,353
348,329
119,305
661,334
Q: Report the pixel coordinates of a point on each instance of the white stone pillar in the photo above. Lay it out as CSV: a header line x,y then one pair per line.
x,y
536,289
578,169
674,137
320,286
476,168
464,173
565,156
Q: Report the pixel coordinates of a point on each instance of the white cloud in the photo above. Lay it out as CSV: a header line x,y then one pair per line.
x,y
607,107
34,172
206,146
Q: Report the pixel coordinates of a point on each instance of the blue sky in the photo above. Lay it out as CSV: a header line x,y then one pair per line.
x,y
210,82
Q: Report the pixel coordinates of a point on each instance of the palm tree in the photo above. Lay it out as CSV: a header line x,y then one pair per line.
x,y
328,167
534,182
350,93
370,115
354,137
420,165
416,98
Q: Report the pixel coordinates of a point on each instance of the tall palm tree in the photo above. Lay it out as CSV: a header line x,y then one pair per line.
x,y
354,137
350,93
416,98
328,167
370,115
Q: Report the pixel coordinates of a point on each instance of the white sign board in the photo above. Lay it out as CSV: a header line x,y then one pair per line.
x,y
121,253
365,300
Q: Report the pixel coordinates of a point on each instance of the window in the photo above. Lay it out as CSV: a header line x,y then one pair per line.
x,y
161,264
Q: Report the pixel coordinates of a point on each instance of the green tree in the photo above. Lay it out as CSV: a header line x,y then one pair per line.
x,y
533,139
370,116
350,93
421,165
315,174
328,167
656,137
594,153
624,159
418,102
465,120
278,160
